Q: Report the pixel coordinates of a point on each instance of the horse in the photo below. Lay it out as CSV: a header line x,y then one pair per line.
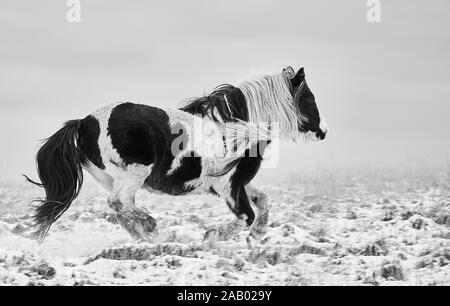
x,y
127,147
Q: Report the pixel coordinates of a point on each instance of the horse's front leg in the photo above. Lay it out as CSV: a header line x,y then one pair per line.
x,y
263,204
238,202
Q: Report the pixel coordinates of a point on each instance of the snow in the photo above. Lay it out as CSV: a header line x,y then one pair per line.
x,y
353,232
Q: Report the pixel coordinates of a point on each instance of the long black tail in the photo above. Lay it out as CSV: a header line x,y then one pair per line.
x,y
59,164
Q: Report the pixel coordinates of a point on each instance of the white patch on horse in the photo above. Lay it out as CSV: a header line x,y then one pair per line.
x,y
128,181
107,151
105,180
206,139
323,125
202,134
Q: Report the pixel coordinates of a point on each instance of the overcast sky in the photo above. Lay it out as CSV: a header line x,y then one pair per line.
x,y
384,88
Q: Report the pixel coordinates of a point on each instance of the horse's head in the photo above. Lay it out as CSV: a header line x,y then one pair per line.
x,y
310,121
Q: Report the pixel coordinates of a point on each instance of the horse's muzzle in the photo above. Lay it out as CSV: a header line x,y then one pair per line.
x,y
323,130
321,135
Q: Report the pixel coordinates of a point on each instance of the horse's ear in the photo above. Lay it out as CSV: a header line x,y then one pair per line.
x,y
301,73
298,78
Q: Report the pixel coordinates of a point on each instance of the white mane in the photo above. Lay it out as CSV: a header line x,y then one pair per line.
x,y
272,114
269,100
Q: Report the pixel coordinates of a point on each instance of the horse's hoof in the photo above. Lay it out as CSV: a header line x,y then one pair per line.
x,y
212,234
258,233
218,233
149,225
225,232
138,224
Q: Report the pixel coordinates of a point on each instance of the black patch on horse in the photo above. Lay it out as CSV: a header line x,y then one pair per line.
x,y
248,166
190,168
139,133
88,134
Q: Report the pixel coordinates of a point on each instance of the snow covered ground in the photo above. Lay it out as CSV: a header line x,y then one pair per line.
x,y
323,231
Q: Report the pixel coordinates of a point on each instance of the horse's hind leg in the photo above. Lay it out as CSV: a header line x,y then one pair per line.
x,y
105,180
122,200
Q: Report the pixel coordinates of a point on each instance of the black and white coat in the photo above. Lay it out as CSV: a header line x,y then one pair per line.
x,y
127,146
